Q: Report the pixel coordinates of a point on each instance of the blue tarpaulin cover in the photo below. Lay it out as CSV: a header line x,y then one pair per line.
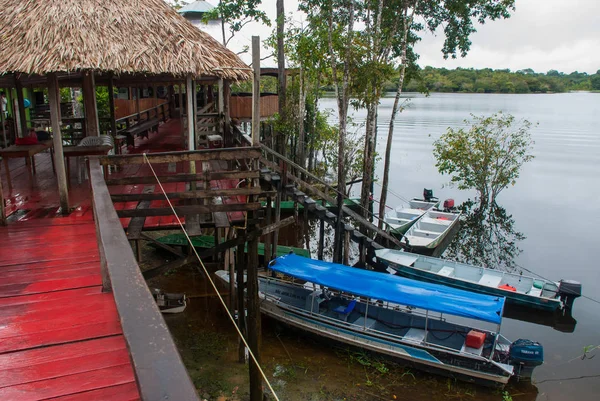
x,y
390,288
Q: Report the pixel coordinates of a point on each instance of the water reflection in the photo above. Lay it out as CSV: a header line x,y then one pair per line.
x,y
486,238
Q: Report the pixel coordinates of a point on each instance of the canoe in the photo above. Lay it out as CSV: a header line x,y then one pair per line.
x,y
208,241
518,289
402,218
430,230
408,320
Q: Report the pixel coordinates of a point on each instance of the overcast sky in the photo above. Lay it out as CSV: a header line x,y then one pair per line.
x,y
563,35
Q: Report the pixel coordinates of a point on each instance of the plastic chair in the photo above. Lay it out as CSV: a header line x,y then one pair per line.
x,y
345,311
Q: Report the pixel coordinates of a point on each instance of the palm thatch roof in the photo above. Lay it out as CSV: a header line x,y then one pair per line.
x,y
120,36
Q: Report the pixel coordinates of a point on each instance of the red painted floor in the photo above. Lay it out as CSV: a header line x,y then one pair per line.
x,y
60,336
36,200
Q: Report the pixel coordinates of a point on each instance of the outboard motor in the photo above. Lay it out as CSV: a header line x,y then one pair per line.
x,y
525,355
428,195
569,290
448,205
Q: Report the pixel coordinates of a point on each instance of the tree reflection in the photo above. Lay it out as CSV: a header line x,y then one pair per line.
x,y
487,237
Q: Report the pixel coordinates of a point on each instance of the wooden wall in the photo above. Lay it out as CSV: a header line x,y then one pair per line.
x,y
241,106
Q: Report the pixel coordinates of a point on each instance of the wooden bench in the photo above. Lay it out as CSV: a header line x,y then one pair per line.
x,y
141,129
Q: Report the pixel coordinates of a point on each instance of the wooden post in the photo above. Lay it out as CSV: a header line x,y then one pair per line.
x,y
3,126
111,105
221,109
268,252
346,247
362,254
191,113
59,159
89,104
256,91
254,324
277,219
137,103
241,320
228,135
230,265
155,97
2,211
19,110
321,235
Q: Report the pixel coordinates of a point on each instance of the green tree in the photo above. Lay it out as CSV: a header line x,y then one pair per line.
x,y
486,157
236,14
595,81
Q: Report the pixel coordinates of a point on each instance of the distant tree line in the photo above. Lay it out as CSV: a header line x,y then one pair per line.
x,y
469,80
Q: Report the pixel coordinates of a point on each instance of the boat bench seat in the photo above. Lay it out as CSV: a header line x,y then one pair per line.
x,y
415,335
476,351
446,271
490,280
536,292
418,230
368,324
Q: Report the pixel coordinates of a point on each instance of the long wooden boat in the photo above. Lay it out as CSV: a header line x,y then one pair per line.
x,y
208,241
402,318
402,218
430,230
518,289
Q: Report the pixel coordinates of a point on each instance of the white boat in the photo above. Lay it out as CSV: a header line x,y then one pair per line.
x,y
169,302
518,289
429,231
398,317
402,218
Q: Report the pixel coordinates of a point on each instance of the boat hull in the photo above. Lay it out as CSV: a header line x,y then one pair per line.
x,y
418,357
513,298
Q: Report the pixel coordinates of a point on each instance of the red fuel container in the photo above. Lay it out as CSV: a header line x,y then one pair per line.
x,y
475,339
448,203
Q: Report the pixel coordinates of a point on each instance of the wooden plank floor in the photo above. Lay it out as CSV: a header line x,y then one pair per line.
x,y
60,336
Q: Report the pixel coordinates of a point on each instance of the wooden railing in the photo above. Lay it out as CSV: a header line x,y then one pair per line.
x,y
159,370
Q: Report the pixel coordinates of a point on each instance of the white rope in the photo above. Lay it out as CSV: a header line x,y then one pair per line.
x,y
212,283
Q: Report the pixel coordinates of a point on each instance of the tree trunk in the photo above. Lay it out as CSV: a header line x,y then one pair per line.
x,y
388,147
369,160
281,85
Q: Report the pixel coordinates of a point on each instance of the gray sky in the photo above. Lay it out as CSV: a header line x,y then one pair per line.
x,y
541,34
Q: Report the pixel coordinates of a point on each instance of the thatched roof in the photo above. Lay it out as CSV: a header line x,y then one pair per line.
x,y
121,36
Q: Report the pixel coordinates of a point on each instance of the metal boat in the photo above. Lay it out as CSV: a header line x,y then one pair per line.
x,y
518,289
398,317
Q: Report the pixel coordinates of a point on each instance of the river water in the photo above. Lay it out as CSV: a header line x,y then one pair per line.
x,y
554,203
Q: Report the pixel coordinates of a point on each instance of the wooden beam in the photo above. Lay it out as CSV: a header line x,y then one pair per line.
x,y
256,91
2,114
59,159
221,107
157,271
137,104
208,176
198,194
89,104
189,209
276,226
171,157
241,284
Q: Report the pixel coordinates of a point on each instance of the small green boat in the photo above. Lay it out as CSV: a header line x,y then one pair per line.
x,y
288,206
207,241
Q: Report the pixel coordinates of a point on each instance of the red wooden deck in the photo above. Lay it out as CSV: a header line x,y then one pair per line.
x,y
60,336
39,199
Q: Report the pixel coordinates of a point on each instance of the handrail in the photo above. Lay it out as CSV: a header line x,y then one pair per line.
x,y
159,370
361,220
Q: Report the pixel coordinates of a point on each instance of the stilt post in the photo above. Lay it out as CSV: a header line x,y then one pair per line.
x,y
111,105
90,107
254,324
59,159
21,117
241,307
